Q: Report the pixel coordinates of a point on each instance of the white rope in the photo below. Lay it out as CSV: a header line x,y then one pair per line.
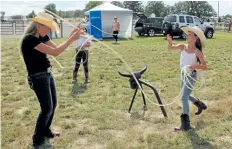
x,y
89,37
57,62
106,32
120,57
187,75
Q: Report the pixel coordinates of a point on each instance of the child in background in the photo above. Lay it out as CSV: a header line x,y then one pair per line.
x,y
82,46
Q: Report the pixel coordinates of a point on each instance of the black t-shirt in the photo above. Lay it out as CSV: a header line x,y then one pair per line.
x,y
35,60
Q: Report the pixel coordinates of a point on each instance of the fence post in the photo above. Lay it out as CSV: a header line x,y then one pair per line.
x,y
61,28
23,26
14,28
50,34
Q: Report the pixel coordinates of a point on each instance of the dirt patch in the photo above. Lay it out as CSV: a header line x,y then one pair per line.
x,y
83,143
21,111
117,134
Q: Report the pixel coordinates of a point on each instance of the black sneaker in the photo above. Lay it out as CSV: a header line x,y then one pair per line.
x,y
74,81
52,135
44,145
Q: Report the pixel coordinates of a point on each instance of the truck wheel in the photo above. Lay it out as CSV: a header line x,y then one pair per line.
x,y
151,32
209,33
183,35
167,27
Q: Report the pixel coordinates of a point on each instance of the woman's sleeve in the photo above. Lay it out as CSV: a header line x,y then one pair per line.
x,y
32,41
46,38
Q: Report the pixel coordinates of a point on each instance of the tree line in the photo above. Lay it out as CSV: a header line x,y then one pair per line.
x,y
197,8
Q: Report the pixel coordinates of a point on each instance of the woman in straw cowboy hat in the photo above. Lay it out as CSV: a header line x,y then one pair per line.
x,y
35,45
193,58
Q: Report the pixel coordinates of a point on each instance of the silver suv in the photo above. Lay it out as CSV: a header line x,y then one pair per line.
x,y
172,23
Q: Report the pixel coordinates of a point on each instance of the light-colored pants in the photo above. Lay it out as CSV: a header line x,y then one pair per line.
x,y
185,92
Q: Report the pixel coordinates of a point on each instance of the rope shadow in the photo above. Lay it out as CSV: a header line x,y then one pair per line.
x,y
198,142
78,89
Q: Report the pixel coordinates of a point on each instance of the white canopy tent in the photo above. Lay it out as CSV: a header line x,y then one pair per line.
x,y
108,11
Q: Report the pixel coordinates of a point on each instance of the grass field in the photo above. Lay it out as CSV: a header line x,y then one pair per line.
x,y
94,116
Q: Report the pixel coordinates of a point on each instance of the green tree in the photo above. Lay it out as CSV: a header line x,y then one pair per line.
x,y
92,4
197,8
61,13
31,15
228,17
180,7
79,13
136,6
69,14
51,7
156,7
169,10
200,8
118,3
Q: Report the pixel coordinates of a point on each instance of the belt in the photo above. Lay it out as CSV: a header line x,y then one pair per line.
x,y
194,71
49,70
82,49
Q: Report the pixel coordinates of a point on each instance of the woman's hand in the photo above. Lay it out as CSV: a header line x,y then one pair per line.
x,y
87,45
73,31
76,35
192,67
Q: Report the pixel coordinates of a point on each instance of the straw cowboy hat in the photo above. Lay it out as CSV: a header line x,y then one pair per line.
x,y
47,20
196,30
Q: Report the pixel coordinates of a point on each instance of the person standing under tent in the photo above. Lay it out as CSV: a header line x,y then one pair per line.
x,y
115,29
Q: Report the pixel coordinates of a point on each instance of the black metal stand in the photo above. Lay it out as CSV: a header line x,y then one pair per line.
x,y
132,101
135,86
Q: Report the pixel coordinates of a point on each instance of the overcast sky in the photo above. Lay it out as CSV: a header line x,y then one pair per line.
x,y
22,7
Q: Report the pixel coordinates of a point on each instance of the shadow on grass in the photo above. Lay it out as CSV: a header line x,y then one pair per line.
x,y
198,142
78,89
137,115
146,36
113,40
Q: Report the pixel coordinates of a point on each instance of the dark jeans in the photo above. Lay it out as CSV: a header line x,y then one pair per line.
x,y
115,35
84,56
44,87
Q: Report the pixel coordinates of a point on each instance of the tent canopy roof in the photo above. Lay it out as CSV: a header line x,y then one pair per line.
x,y
108,7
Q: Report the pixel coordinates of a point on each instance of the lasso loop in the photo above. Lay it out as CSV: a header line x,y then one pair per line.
x,y
187,76
189,85
105,32
78,50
